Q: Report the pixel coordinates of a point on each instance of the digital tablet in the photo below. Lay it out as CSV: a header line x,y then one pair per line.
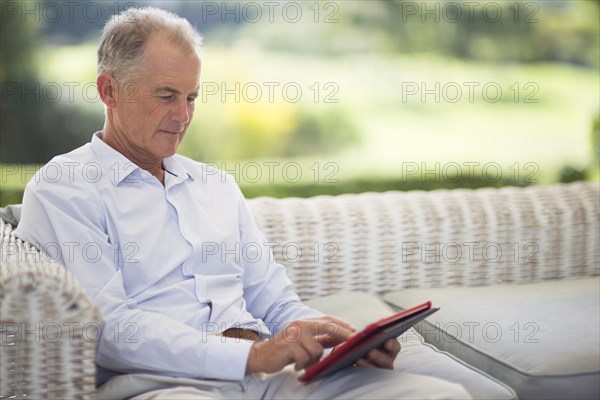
x,y
358,345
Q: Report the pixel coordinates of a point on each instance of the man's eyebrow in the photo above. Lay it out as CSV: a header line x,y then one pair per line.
x,y
173,90
167,89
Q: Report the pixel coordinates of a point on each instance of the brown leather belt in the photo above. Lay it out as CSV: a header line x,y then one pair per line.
x,y
240,333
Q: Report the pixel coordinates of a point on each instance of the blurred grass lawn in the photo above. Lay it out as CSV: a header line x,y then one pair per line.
x,y
397,128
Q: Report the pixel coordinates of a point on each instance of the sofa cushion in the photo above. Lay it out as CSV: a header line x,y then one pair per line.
x,y
416,356
542,339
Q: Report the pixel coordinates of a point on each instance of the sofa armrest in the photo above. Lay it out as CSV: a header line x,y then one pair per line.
x,y
381,242
48,326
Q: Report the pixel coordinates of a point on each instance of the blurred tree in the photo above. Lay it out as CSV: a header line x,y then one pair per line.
x,y
34,124
526,31
16,43
16,65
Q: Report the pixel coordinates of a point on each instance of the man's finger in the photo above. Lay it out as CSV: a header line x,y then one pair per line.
x,y
307,352
364,363
340,322
301,358
380,359
330,333
392,346
328,341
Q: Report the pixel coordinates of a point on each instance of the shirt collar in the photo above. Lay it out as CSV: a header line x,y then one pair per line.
x,y
118,167
175,173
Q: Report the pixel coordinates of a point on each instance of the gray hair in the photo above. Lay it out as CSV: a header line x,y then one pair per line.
x,y
125,35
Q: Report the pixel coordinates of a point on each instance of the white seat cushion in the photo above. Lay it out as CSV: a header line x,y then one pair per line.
x,y
416,356
542,339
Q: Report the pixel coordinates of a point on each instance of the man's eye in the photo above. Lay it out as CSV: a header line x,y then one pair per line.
x,y
191,100
166,97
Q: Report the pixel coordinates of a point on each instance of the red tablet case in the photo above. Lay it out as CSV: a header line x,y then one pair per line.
x,y
372,336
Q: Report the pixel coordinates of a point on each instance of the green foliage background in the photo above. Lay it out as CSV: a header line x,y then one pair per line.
x,y
353,65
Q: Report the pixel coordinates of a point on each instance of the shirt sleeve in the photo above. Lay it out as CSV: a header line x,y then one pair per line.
x,y
268,291
65,220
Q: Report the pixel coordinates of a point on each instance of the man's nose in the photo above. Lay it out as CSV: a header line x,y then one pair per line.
x,y
180,113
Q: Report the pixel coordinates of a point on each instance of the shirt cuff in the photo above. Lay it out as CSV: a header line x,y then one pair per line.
x,y
226,358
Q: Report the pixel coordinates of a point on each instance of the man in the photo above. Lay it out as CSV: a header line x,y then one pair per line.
x,y
131,219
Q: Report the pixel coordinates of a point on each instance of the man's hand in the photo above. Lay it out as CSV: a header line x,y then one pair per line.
x,y
300,343
383,358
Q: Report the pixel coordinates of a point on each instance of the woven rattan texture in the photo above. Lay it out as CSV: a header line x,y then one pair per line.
x,y
48,327
379,242
372,242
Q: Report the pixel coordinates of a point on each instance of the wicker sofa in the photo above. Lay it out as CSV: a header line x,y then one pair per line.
x,y
514,270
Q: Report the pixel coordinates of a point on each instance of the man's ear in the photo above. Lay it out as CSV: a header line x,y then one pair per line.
x,y
107,89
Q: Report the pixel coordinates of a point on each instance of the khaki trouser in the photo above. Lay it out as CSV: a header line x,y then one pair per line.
x,y
351,383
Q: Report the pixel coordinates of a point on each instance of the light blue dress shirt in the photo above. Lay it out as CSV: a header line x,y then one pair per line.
x,y
169,266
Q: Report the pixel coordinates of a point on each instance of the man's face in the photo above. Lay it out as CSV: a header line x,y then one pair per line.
x,y
154,111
